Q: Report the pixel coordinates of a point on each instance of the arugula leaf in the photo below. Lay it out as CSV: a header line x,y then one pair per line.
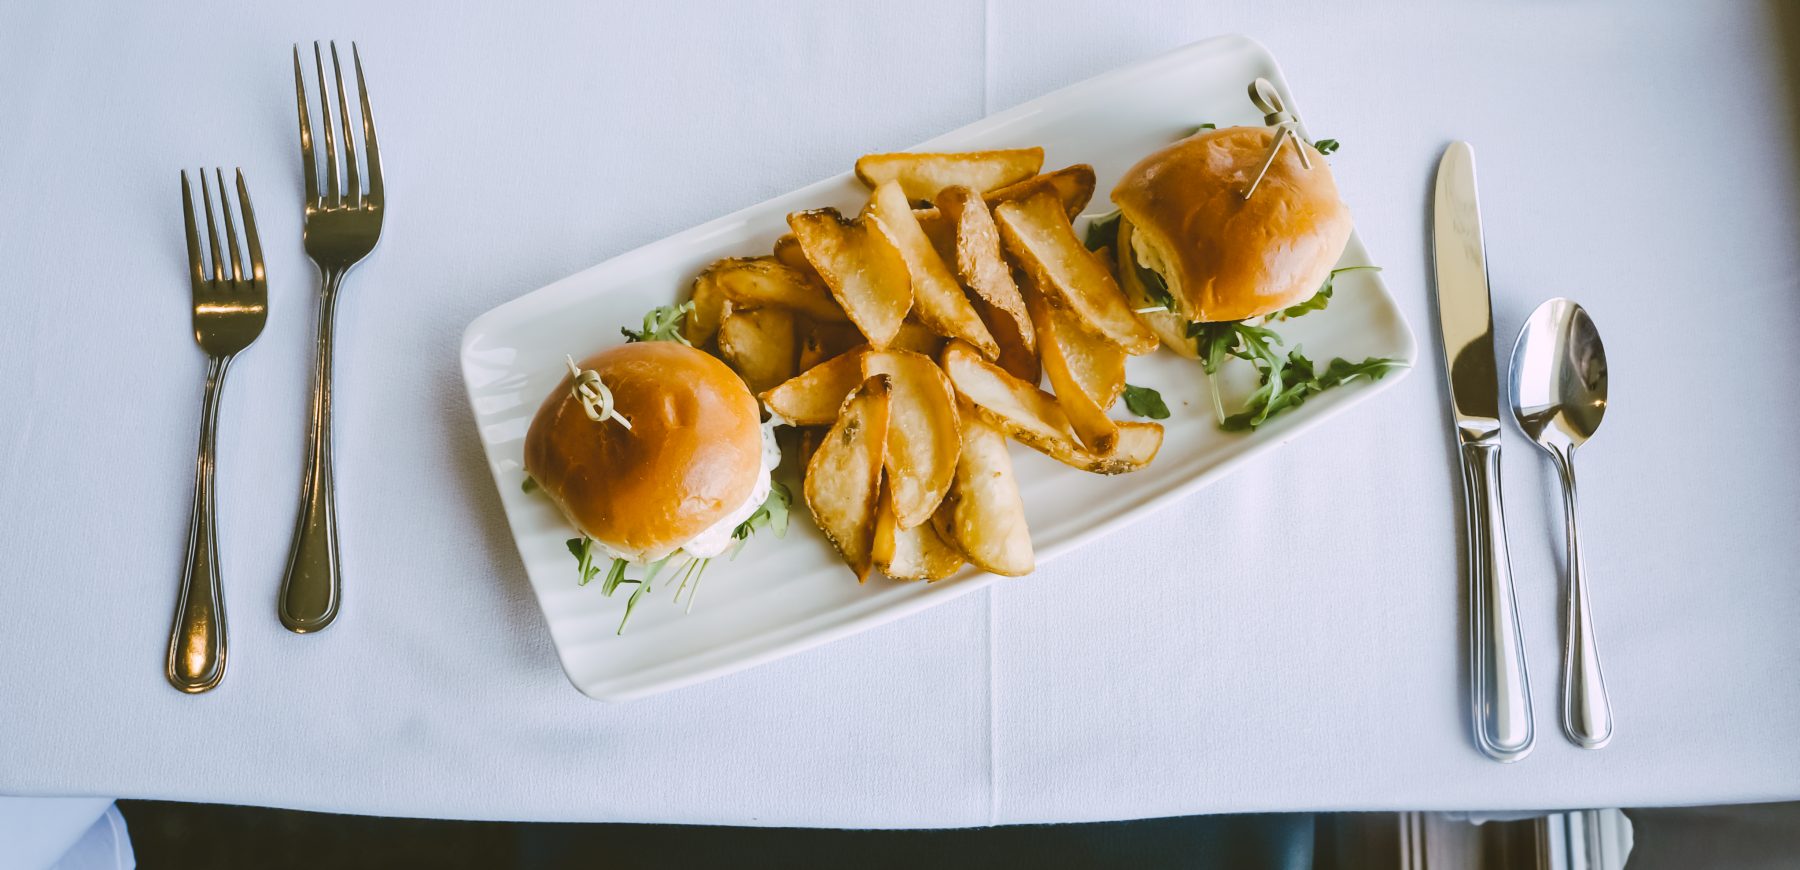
x,y
1326,146
583,550
1316,302
614,576
1103,232
1145,402
1320,299
1200,129
1154,285
773,514
661,324
1212,341
631,604
1343,371
1270,400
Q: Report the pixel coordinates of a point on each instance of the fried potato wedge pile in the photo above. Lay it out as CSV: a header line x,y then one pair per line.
x,y
907,346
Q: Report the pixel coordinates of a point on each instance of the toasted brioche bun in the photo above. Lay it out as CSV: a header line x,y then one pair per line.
x,y
1225,257
692,455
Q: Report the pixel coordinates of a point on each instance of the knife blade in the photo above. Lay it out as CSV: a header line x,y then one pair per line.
x,y
1500,691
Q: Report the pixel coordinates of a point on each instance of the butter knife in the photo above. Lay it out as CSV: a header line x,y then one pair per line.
x,y
1500,690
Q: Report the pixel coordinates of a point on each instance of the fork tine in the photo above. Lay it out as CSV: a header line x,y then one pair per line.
x,y
352,187
306,149
212,233
331,161
231,236
370,152
255,244
196,263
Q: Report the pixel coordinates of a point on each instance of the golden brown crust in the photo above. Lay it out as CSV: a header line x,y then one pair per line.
x,y
692,455
1227,258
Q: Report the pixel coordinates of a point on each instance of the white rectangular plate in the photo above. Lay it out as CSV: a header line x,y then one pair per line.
x,y
783,596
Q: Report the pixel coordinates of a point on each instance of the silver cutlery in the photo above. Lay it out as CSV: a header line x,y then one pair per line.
x,y
230,307
1499,686
1559,395
342,223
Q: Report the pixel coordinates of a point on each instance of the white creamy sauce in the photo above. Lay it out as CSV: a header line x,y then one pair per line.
x,y
717,538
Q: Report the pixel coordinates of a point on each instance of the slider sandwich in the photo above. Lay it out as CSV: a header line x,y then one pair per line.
x,y
654,451
1224,232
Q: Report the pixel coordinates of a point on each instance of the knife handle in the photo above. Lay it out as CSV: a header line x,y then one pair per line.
x,y
1501,690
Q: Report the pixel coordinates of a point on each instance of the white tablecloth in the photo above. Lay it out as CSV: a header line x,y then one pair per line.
x,y
1290,638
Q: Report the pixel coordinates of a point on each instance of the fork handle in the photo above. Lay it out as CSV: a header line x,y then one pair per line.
x,y
310,590
197,642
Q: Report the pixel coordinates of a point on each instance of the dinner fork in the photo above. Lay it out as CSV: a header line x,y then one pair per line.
x,y
229,310
341,227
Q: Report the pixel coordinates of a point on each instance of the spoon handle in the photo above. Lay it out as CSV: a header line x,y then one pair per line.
x,y
1498,681
1587,713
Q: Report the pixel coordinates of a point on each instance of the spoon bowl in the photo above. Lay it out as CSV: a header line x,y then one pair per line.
x,y
1559,395
1559,376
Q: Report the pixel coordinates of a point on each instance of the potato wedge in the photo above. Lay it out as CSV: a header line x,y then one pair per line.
x,y
918,338
857,260
843,478
940,231
760,344
921,176
1033,418
709,308
1037,233
1094,363
981,268
923,439
822,341
938,301
918,553
788,253
983,515
1170,327
1082,369
814,397
810,439
764,282
1073,185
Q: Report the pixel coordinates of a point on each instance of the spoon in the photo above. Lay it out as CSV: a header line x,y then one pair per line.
x,y
1559,394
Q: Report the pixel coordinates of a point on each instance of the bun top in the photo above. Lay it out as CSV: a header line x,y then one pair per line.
x,y
1225,257
693,453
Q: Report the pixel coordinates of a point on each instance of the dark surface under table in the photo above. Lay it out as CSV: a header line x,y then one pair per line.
x,y
203,836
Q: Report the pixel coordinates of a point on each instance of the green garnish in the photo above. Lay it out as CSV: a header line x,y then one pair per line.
x,y
614,576
1302,383
528,486
1326,146
661,324
1200,129
772,515
1154,285
1320,299
1145,402
1286,379
583,550
1103,232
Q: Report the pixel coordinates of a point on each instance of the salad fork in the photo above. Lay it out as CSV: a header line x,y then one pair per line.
x,y
340,227
230,307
